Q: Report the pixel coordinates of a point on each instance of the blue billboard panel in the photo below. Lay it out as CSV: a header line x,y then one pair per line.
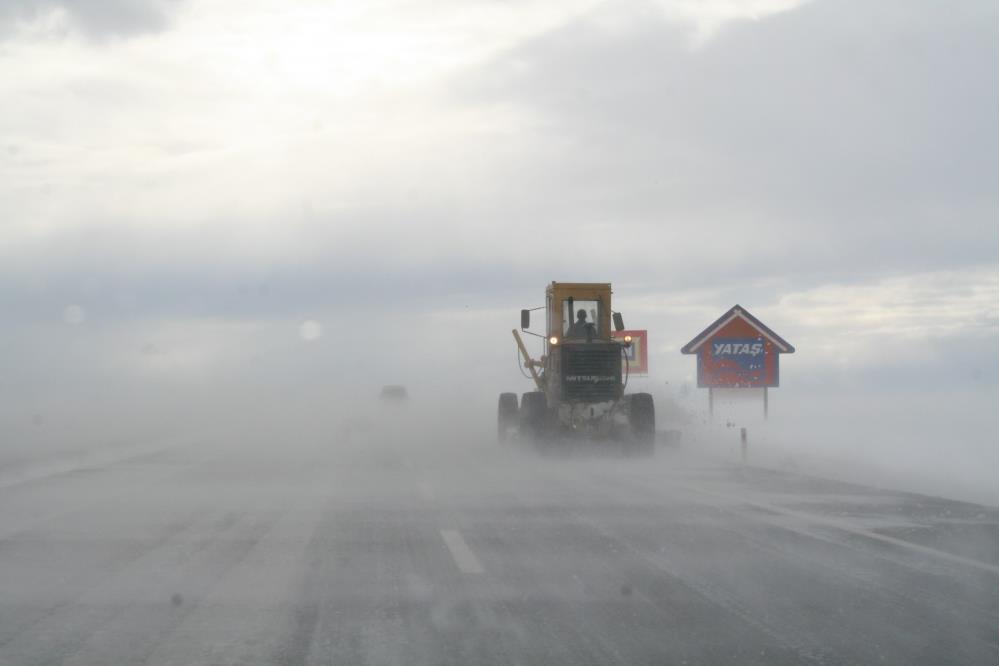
x,y
736,362
746,352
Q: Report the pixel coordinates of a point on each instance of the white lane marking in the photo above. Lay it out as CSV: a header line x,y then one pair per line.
x,y
462,554
852,529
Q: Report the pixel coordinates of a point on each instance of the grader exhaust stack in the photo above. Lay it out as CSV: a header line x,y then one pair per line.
x,y
578,379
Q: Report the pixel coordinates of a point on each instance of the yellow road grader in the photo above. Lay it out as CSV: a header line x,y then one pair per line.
x,y
581,377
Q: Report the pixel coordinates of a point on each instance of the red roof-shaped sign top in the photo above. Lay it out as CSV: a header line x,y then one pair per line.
x,y
780,345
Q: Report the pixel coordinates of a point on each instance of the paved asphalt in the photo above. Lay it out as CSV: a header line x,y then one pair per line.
x,y
380,549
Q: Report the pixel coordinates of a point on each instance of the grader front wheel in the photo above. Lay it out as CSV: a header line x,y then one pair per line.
x,y
643,424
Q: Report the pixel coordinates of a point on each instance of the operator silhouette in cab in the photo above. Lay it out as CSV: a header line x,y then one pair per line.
x,y
581,328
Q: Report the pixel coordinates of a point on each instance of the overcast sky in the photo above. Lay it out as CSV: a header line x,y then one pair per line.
x,y
186,185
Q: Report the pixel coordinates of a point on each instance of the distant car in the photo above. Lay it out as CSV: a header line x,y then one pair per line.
x,y
394,393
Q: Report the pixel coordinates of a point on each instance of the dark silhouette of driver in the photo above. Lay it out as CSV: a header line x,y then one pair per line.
x,y
580,328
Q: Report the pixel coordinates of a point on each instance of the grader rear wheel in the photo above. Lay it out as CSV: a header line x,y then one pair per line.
x,y
506,416
643,424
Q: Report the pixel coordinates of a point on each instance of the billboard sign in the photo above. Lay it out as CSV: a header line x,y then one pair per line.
x,y
738,351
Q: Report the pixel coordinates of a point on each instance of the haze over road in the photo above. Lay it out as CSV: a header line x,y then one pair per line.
x,y
226,225
388,549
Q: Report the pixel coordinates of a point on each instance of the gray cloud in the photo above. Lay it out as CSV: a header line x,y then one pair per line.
x,y
836,142
838,137
95,18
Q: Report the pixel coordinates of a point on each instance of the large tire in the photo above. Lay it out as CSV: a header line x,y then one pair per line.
x,y
533,413
506,414
643,424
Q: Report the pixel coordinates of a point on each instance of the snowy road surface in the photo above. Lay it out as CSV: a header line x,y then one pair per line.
x,y
388,551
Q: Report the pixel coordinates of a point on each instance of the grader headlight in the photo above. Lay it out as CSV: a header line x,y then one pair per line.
x,y
553,340
627,339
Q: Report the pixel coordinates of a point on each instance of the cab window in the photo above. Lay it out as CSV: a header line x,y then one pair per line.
x,y
580,317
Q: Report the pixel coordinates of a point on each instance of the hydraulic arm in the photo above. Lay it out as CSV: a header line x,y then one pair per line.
x,y
529,363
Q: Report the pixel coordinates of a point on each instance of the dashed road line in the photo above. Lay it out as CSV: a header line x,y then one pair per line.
x,y
461,553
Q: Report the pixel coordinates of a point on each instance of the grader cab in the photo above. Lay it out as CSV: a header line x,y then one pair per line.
x,y
581,376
